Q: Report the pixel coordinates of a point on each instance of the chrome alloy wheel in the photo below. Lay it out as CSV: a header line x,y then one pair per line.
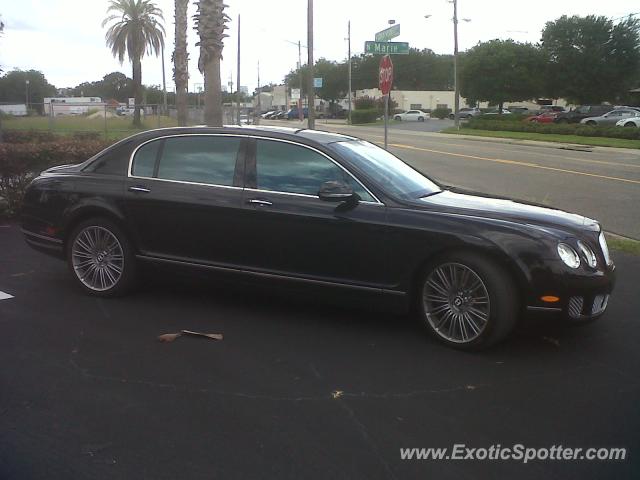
x,y
97,258
456,302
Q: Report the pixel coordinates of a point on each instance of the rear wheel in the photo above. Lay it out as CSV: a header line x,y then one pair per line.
x,y
398,118
468,302
421,119
591,123
630,124
101,258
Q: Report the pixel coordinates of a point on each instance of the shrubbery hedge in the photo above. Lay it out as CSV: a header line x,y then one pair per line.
x,y
510,125
368,115
23,155
440,113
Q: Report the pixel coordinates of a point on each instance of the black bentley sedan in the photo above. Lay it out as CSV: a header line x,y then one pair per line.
x,y
305,207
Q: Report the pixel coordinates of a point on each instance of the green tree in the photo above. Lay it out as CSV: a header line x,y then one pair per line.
x,y
181,60
134,33
501,71
591,59
334,79
114,85
13,88
210,25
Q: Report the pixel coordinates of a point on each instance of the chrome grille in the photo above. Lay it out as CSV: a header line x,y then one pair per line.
x,y
575,307
599,304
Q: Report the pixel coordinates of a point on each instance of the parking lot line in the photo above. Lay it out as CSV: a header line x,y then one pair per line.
x,y
5,296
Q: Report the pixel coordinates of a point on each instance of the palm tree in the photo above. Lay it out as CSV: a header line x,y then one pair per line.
x,y
136,31
181,60
211,24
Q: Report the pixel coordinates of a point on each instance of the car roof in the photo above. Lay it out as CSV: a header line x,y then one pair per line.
x,y
290,133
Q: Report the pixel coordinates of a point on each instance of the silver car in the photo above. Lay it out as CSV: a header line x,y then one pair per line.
x,y
612,117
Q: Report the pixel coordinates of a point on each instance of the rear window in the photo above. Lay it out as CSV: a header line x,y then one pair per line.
x,y
113,161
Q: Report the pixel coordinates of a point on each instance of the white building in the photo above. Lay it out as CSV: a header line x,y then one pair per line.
x,y
71,105
18,110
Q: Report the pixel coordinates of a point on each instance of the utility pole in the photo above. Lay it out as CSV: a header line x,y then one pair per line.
x,y
238,74
349,62
312,101
257,117
456,101
300,113
164,85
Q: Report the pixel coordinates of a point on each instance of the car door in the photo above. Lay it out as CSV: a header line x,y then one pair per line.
x,y
183,196
296,233
611,118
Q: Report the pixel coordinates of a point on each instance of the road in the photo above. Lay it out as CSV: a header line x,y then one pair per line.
x,y
603,183
298,389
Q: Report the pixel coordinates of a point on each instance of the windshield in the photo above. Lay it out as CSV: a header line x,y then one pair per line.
x,y
396,177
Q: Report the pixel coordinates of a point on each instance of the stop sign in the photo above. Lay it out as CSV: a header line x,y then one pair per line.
x,y
386,74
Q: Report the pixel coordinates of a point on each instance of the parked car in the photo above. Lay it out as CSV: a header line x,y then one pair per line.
x,y
411,116
316,209
466,113
279,115
611,117
495,112
268,114
551,108
545,117
127,111
293,113
583,111
518,110
629,122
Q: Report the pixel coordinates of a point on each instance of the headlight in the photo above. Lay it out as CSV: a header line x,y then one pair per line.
x,y
605,248
588,254
568,255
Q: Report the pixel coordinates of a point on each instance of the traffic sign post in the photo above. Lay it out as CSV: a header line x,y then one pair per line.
x,y
385,82
388,33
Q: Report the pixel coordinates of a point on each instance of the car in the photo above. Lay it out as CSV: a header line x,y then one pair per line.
x,y
268,114
518,110
310,209
583,111
127,111
293,113
279,116
551,108
495,112
545,117
411,116
466,113
629,122
611,117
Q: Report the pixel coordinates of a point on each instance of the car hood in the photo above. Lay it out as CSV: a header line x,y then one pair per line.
x,y
510,210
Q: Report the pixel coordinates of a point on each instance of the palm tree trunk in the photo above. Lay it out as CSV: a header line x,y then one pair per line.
x,y
137,90
180,60
212,93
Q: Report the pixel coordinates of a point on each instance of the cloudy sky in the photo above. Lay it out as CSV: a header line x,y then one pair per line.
x,y
65,40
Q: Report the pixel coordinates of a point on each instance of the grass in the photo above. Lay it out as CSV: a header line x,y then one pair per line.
x,y
548,137
621,244
116,127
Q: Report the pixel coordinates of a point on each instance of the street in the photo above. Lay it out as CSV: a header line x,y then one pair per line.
x,y
298,387
603,184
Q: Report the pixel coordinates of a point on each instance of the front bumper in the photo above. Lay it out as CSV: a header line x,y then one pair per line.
x,y
582,297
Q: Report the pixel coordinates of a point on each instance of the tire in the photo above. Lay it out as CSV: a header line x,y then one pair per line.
x,y
630,124
591,123
101,258
452,116
421,119
488,292
397,118
563,120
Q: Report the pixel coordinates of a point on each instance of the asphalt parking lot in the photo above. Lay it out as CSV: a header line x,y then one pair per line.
x,y
297,389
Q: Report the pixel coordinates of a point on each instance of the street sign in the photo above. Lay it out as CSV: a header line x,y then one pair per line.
x,y
132,102
386,48
317,82
295,94
388,33
386,74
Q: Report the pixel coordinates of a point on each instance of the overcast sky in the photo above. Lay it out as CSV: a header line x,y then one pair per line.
x,y
65,40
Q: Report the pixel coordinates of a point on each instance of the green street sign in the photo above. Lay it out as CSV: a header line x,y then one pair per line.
x,y
388,33
386,48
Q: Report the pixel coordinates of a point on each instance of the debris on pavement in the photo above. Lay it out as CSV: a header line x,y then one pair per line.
x,y
337,393
170,337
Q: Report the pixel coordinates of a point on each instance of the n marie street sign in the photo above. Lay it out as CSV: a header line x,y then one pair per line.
x,y
387,48
388,33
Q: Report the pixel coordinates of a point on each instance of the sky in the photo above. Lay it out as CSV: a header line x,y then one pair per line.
x,y
65,40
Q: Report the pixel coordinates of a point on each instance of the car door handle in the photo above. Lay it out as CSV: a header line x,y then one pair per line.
x,y
259,203
139,189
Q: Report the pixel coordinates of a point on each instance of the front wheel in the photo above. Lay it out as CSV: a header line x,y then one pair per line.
x,y
468,302
421,119
101,258
591,123
630,124
397,118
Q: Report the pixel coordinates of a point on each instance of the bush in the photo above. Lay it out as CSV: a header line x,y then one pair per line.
x,y
365,103
28,136
20,162
364,116
483,123
440,113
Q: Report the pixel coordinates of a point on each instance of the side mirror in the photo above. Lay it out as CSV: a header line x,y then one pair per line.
x,y
333,191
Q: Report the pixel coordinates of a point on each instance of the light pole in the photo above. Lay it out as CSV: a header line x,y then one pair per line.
x,y
456,101
349,62
26,83
311,107
164,85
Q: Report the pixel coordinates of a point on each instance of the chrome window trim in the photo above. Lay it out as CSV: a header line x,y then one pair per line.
x,y
240,135
305,195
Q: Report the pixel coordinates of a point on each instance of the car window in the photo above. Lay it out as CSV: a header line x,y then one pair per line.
x,y
284,167
201,159
112,161
145,159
